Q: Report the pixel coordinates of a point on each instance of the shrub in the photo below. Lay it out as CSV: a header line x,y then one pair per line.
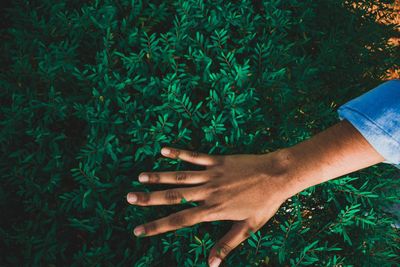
x,y
91,91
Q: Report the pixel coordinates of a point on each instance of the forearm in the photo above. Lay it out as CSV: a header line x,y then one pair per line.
x,y
337,151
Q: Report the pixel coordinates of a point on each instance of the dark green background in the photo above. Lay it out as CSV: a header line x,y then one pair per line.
x,y
91,91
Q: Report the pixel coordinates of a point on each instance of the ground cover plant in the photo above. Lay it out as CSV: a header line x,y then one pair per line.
x,y
91,91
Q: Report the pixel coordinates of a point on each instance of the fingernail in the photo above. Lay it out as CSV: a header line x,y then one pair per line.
x,y
139,231
165,151
214,262
132,198
143,178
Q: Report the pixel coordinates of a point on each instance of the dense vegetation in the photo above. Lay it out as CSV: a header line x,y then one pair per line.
x,y
91,90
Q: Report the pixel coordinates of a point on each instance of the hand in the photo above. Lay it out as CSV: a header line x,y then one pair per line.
x,y
245,188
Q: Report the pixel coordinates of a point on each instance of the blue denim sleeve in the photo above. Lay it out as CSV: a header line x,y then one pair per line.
x,y
376,115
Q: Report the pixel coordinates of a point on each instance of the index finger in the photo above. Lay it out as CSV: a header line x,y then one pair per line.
x,y
192,156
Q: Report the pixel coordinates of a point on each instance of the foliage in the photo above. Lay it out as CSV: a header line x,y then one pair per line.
x,y
91,90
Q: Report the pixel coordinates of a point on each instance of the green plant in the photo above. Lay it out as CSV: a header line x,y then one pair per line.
x,y
91,91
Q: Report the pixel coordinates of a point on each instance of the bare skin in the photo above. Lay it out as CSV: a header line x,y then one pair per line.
x,y
249,188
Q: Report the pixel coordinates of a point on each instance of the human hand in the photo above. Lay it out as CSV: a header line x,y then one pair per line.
x,y
245,188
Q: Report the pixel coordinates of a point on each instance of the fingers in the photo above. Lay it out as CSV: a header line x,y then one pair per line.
x,y
180,177
181,219
192,156
237,234
167,197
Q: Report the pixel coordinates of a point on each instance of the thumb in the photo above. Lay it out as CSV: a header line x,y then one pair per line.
x,y
236,235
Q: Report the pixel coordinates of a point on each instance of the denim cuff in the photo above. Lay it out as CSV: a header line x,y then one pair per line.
x,y
376,115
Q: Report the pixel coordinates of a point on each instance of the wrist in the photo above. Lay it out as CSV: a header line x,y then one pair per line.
x,y
281,165
301,171
338,150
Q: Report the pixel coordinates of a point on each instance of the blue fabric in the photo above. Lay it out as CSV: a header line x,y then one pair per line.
x,y
376,115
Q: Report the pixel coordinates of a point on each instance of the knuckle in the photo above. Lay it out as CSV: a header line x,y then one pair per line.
x,y
216,174
175,152
215,190
223,249
154,178
144,198
194,154
208,190
181,177
219,160
178,220
150,227
173,196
